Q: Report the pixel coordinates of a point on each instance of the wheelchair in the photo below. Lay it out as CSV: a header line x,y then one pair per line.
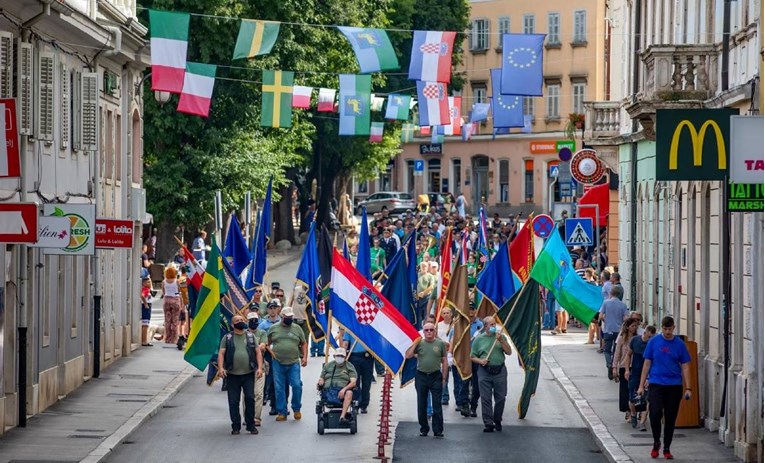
x,y
328,414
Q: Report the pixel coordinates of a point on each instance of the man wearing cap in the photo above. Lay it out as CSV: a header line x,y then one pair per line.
x,y
273,307
488,350
289,352
261,338
432,370
240,361
363,363
338,378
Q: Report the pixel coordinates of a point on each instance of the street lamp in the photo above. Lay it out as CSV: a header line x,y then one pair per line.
x,y
160,97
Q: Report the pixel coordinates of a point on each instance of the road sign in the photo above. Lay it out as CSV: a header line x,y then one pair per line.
x,y
543,225
566,189
564,172
112,233
18,222
565,154
554,171
579,232
419,167
586,167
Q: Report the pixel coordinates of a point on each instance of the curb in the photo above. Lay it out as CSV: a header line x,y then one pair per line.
x,y
605,440
141,416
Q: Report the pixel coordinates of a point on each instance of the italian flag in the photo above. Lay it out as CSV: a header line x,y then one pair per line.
x,y
301,96
197,89
169,43
376,132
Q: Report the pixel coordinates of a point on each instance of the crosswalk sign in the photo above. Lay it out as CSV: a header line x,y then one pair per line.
x,y
579,232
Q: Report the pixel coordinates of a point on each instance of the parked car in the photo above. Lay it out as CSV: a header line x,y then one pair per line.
x,y
393,201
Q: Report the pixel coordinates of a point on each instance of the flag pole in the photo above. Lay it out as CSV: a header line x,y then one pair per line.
x,y
494,344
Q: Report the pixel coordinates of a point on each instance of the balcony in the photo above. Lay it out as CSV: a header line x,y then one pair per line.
x,y
601,121
674,76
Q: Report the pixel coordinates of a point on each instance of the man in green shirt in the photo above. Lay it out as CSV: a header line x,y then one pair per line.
x,y
339,375
488,350
240,361
261,339
426,284
430,378
289,352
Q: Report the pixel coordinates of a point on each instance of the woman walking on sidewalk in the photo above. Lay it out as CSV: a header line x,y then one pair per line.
x,y
620,365
171,304
667,368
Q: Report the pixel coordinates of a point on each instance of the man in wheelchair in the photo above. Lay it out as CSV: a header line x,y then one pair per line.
x,y
337,384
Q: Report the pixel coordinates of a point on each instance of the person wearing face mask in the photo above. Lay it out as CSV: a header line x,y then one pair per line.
x,y
289,352
337,381
261,338
272,318
488,350
242,363
432,371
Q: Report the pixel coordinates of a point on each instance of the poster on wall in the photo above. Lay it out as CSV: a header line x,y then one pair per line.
x,y
82,219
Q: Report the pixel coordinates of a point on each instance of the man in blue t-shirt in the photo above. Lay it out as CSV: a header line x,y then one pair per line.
x,y
667,367
613,312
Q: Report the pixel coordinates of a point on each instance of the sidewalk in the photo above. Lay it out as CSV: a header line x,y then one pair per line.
x,y
581,372
103,412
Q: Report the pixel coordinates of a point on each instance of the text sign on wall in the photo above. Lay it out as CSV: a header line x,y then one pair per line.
x,y
111,233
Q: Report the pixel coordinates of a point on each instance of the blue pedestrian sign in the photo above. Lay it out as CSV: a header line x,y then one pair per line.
x,y
579,232
419,165
554,171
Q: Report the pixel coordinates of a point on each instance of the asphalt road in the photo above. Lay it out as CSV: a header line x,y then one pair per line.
x,y
194,426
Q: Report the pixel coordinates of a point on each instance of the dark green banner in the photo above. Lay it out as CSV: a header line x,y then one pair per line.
x,y
693,144
744,197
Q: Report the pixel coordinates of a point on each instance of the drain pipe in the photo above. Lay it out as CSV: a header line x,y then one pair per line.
x,y
634,156
117,37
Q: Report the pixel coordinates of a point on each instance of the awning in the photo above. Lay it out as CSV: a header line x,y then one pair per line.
x,y
596,195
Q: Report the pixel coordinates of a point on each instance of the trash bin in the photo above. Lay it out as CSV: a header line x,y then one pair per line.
x,y
689,415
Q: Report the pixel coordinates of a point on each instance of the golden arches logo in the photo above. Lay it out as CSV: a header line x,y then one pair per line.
x,y
697,139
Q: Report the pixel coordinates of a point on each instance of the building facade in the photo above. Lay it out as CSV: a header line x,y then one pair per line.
x,y
74,68
511,173
671,232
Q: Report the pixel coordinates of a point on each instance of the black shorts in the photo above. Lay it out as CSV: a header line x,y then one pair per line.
x,y
145,315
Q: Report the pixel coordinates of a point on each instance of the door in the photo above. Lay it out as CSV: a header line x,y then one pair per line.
x,y
480,181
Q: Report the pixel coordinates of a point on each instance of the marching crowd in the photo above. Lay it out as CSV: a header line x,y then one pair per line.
x,y
261,358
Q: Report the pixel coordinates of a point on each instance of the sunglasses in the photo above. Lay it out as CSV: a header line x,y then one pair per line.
x,y
258,291
428,329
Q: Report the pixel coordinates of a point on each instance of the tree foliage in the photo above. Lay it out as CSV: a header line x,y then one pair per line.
x,y
187,158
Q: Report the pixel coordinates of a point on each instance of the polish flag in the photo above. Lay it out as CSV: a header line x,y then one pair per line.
x,y
301,96
326,100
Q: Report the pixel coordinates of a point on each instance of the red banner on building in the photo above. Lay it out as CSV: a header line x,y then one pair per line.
x,y
112,233
10,163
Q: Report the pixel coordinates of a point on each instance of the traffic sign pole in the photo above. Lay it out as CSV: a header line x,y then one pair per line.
x,y
597,231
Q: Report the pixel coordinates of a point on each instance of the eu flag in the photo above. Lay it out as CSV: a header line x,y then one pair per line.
x,y
480,112
522,64
507,109
235,251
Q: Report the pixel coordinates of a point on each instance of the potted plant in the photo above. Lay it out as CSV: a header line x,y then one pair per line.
x,y
575,122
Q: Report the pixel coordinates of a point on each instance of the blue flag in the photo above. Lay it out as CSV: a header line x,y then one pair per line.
x,y
364,256
309,275
522,64
507,109
527,120
411,264
397,289
235,251
480,112
483,241
258,267
497,282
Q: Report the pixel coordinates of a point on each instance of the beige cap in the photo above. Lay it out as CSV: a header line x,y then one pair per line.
x,y
287,312
251,315
340,352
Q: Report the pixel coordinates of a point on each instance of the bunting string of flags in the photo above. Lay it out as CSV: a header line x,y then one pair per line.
x,y
438,114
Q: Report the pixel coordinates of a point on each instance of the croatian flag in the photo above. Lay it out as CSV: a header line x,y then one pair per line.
x,y
368,316
433,103
196,272
455,128
432,56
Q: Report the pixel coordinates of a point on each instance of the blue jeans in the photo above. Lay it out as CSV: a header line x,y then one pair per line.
x,y
287,375
460,389
608,347
549,321
445,394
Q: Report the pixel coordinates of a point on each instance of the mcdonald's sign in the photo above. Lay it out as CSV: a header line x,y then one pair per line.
x,y
693,144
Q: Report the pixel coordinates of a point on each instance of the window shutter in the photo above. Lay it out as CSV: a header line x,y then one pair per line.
x,y
6,65
76,107
66,100
89,111
45,96
25,88
474,36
